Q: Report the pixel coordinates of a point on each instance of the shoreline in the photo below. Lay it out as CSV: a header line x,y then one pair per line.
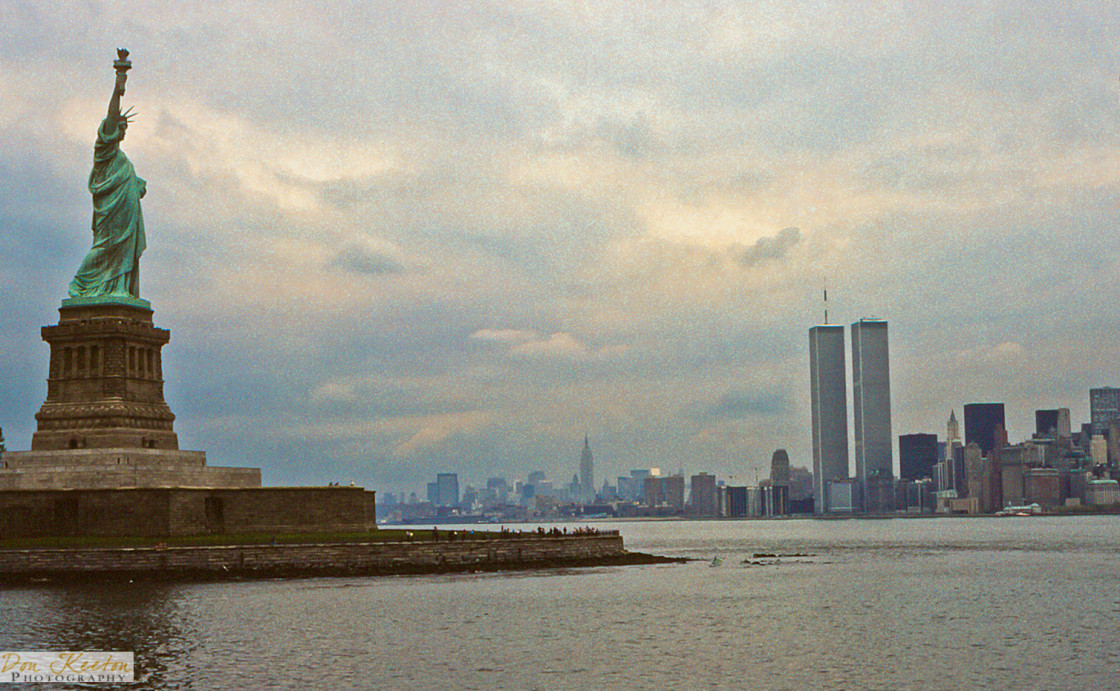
x,y
44,566
421,525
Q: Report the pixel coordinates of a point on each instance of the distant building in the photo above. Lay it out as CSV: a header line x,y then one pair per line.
x,y
664,492
777,502
879,488
1114,444
586,472
1104,407
974,471
497,490
608,492
447,489
843,496
1043,487
1063,423
632,488
871,401
735,503
1102,493
829,409
917,455
950,471
674,491
702,495
800,484
1046,423
915,496
779,468
980,422
993,473
470,498
1052,423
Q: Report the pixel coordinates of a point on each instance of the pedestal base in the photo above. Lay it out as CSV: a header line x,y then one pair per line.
x,y
118,468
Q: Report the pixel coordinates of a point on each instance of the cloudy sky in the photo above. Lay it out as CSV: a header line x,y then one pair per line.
x,y
392,239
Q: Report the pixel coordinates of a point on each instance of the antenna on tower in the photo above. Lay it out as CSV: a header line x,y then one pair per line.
x,y
826,302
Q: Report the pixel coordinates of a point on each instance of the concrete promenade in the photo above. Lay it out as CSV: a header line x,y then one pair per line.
x,y
507,552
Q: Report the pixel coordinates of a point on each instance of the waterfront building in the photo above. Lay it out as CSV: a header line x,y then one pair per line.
x,y
755,507
779,483
871,401
1102,493
915,496
734,502
829,409
702,495
980,422
879,492
843,496
775,500
1104,407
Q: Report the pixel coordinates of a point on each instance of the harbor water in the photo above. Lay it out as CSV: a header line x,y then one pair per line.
x,y
1027,603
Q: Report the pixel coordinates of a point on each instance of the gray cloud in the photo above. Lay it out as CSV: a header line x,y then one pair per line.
x,y
364,261
768,248
738,405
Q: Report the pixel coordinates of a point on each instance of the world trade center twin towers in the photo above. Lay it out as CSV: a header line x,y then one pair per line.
x,y
871,403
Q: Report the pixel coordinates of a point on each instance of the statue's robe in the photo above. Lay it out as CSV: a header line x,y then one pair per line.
x,y
112,267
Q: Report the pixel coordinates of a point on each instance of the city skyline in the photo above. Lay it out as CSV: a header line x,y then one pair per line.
x,y
395,241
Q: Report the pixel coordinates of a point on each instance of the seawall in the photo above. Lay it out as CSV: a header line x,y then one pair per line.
x,y
315,559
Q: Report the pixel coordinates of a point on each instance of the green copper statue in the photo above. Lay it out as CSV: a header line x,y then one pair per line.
x,y
111,270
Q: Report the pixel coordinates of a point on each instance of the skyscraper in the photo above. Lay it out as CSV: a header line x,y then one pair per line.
x,y
586,471
447,489
1046,423
951,476
871,400
703,495
917,454
1104,407
779,483
830,409
980,421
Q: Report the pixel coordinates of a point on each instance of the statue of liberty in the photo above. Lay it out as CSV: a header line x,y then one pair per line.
x,y
112,268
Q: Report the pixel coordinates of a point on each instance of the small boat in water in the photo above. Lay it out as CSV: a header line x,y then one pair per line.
x,y
715,562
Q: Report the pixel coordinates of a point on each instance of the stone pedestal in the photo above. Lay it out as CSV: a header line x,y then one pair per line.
x,y
105,387
105,423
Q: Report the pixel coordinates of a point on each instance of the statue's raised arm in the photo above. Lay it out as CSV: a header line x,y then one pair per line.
x,y
122,65
111,270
